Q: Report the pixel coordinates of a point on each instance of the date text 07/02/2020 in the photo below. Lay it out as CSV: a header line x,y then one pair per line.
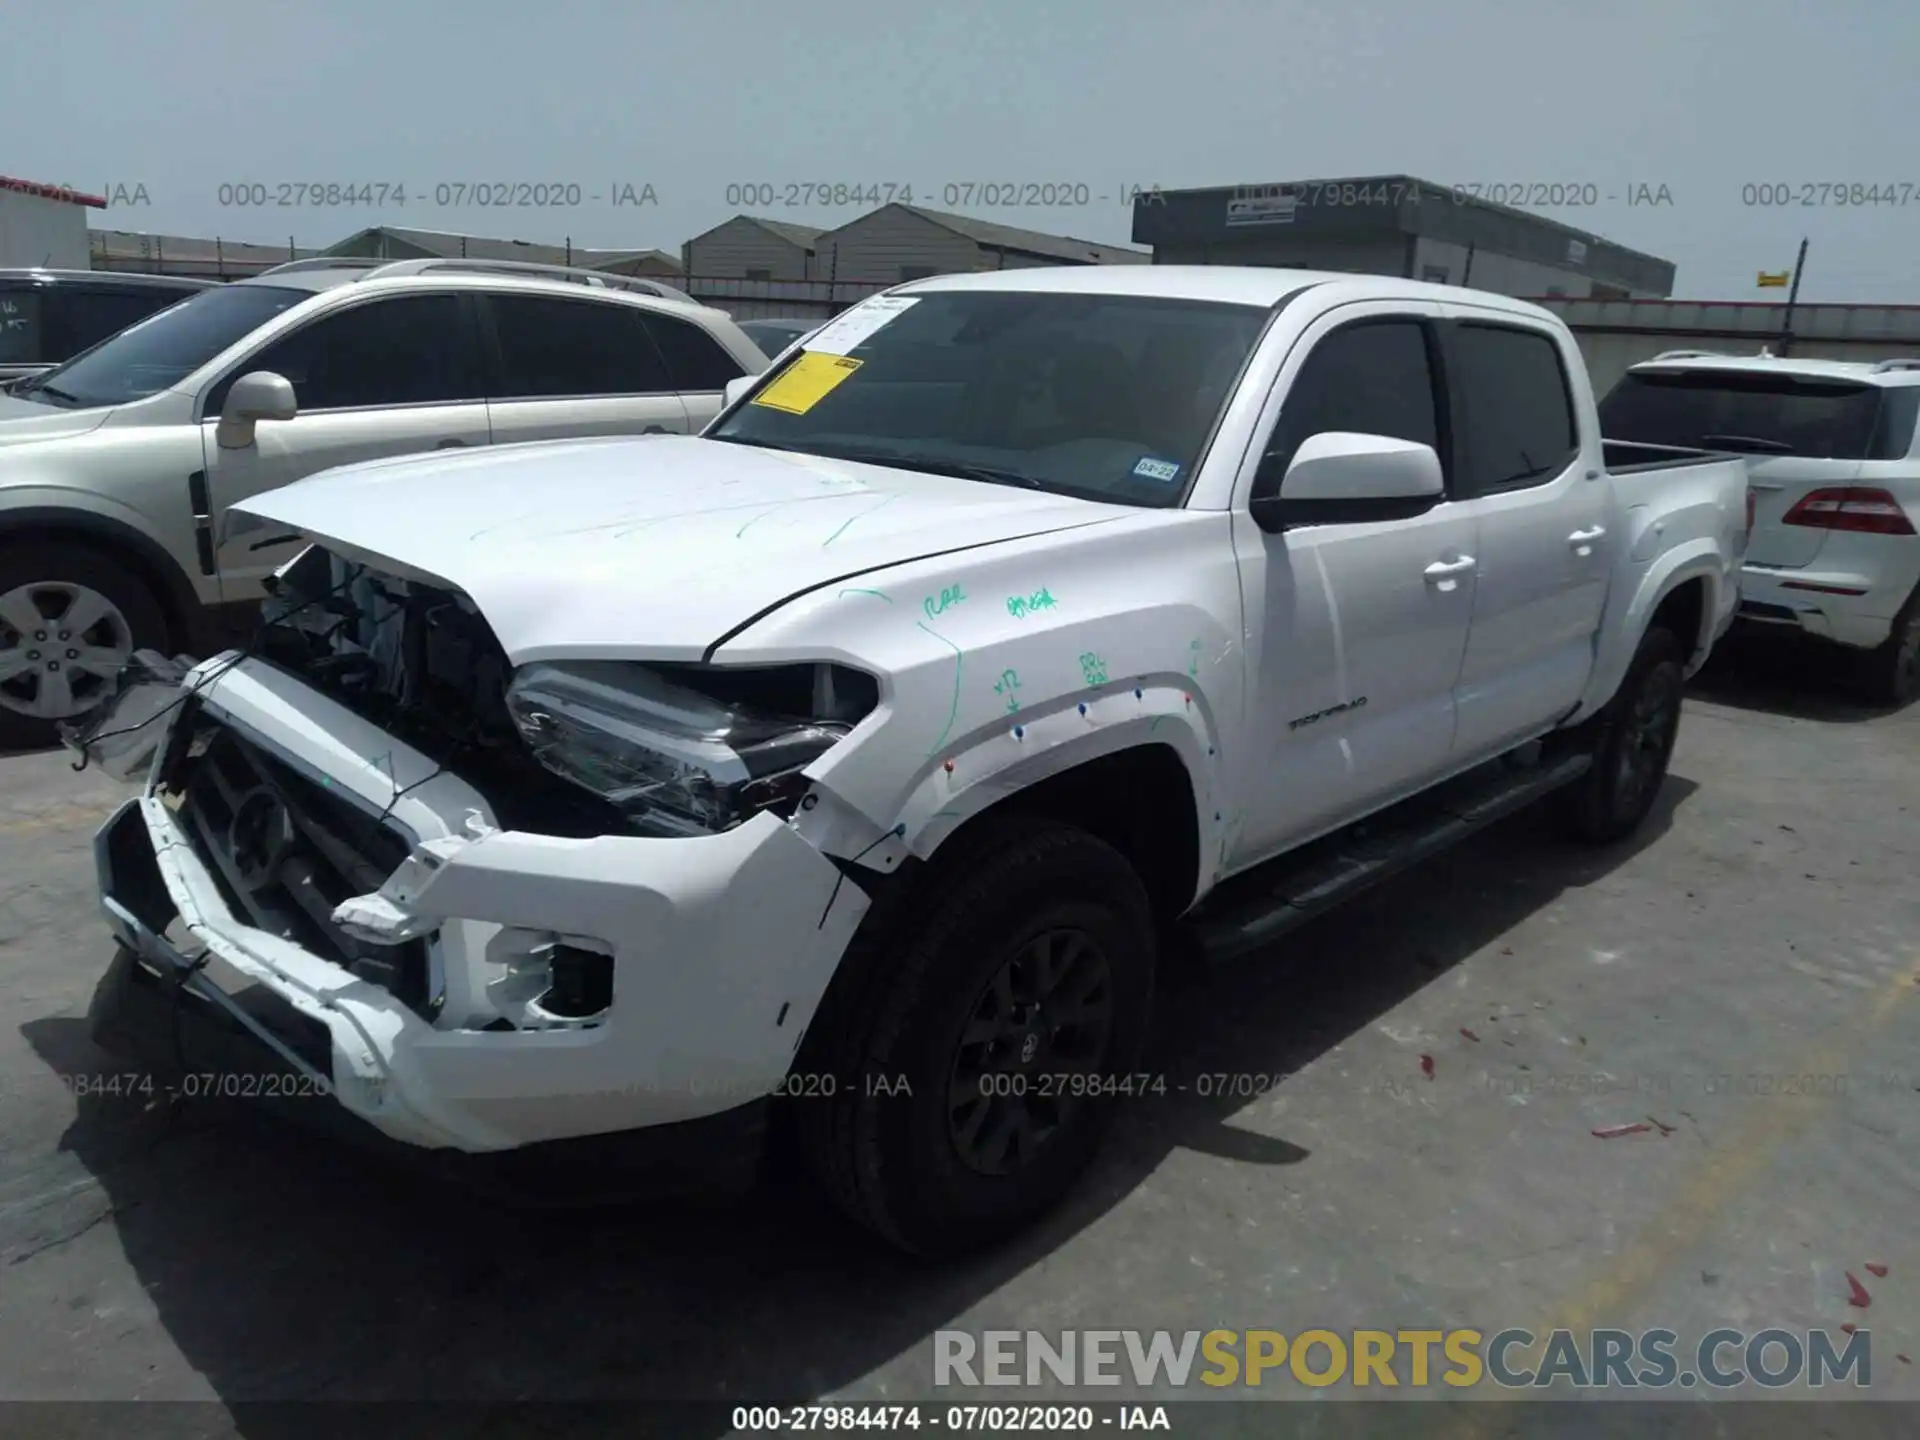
x,y
195,1085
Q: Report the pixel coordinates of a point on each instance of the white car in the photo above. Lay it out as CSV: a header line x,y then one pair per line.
x,y
1836,477
119,467
841,766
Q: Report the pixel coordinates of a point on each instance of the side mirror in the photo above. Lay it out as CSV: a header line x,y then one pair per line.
x,y
257,395
1340,478
737,387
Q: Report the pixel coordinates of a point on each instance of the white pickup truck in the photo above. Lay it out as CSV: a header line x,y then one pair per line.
x,y
850,765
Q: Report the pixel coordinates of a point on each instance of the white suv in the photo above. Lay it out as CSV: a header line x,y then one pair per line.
x,y
1836,481
118,467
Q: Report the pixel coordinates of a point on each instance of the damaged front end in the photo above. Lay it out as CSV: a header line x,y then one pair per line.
x,y
485,909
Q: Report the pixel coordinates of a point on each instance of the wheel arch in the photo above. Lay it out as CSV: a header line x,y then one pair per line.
x,y
144,555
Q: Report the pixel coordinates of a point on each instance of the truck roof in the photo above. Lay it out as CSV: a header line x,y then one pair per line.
x,y
1232,284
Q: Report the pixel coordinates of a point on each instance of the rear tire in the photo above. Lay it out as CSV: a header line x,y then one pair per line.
x,y
67,612
1892,672
1632,743
922,1136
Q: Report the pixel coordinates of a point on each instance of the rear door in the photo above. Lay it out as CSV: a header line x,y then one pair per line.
x,y
696,364
1544,544
565,368
1802,432
388,376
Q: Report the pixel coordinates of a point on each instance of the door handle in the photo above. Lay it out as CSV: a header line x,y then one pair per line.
x,y
1582,540
1448,569
451,445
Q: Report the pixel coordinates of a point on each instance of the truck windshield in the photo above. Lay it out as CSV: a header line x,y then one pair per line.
x,y
1757,413
1107,397
161,350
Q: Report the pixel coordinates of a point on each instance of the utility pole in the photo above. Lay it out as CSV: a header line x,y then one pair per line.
x,y
1793,294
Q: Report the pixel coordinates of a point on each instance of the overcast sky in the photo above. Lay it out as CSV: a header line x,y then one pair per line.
x,y
1703,97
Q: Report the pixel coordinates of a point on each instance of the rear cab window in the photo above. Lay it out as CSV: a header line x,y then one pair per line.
x,y
1762,413
1516,401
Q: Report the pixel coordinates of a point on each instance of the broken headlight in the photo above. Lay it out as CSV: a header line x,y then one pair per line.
x,y
686,750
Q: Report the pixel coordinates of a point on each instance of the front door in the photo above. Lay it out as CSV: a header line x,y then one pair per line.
x,y
1357,630
389,376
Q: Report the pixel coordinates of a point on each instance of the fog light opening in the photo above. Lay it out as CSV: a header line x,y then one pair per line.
x,y
582,982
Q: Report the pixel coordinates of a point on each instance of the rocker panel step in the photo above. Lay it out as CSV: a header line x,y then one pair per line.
x,y
1253,909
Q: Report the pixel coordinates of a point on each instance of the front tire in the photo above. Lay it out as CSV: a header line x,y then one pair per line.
x,y
1632,743
70,616
970,1046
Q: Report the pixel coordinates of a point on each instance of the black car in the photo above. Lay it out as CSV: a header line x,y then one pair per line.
x,y
773,336
47,316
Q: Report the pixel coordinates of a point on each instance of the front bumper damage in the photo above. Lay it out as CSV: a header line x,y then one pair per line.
x,y
720,948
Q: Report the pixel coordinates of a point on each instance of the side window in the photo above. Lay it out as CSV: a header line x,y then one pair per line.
x,y
694,358
1372,378
1894,436
554,349
20,342
78,316
1519,427
411,350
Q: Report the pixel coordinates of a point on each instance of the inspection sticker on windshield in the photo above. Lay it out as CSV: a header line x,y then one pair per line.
x,y
806,382
837,337
1152,469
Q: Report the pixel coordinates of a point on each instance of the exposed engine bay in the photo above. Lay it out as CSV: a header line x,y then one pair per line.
x,y
421,663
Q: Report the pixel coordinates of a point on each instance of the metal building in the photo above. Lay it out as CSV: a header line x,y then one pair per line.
x,y
749,247
900,242
392,242
1393,225
44,225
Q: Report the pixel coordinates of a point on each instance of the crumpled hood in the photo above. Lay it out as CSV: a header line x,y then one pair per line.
x,y
649,546
26,420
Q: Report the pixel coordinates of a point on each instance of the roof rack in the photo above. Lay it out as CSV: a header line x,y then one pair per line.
x,y
572,274
1907,363
1687,355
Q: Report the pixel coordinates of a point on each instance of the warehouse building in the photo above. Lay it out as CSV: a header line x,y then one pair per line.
x,y
901,242
44,225
1395,225
750,247
391,242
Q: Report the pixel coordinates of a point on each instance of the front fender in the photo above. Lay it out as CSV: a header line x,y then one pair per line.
x,y
1045,740
1632,606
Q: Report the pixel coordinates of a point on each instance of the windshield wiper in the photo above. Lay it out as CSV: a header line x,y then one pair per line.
x,y
1748,442
959,469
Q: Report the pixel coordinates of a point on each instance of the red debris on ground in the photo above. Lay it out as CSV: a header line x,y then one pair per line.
x,y
1613,1132
1426,1066
1879,1270
1847,1329
1858,1295
1470,1035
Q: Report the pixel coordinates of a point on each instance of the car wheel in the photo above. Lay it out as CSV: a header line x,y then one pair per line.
x,y
1632,744
972,1061
70,617
1893,670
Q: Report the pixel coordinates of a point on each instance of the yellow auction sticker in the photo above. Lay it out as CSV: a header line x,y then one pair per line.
x,y
806,382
